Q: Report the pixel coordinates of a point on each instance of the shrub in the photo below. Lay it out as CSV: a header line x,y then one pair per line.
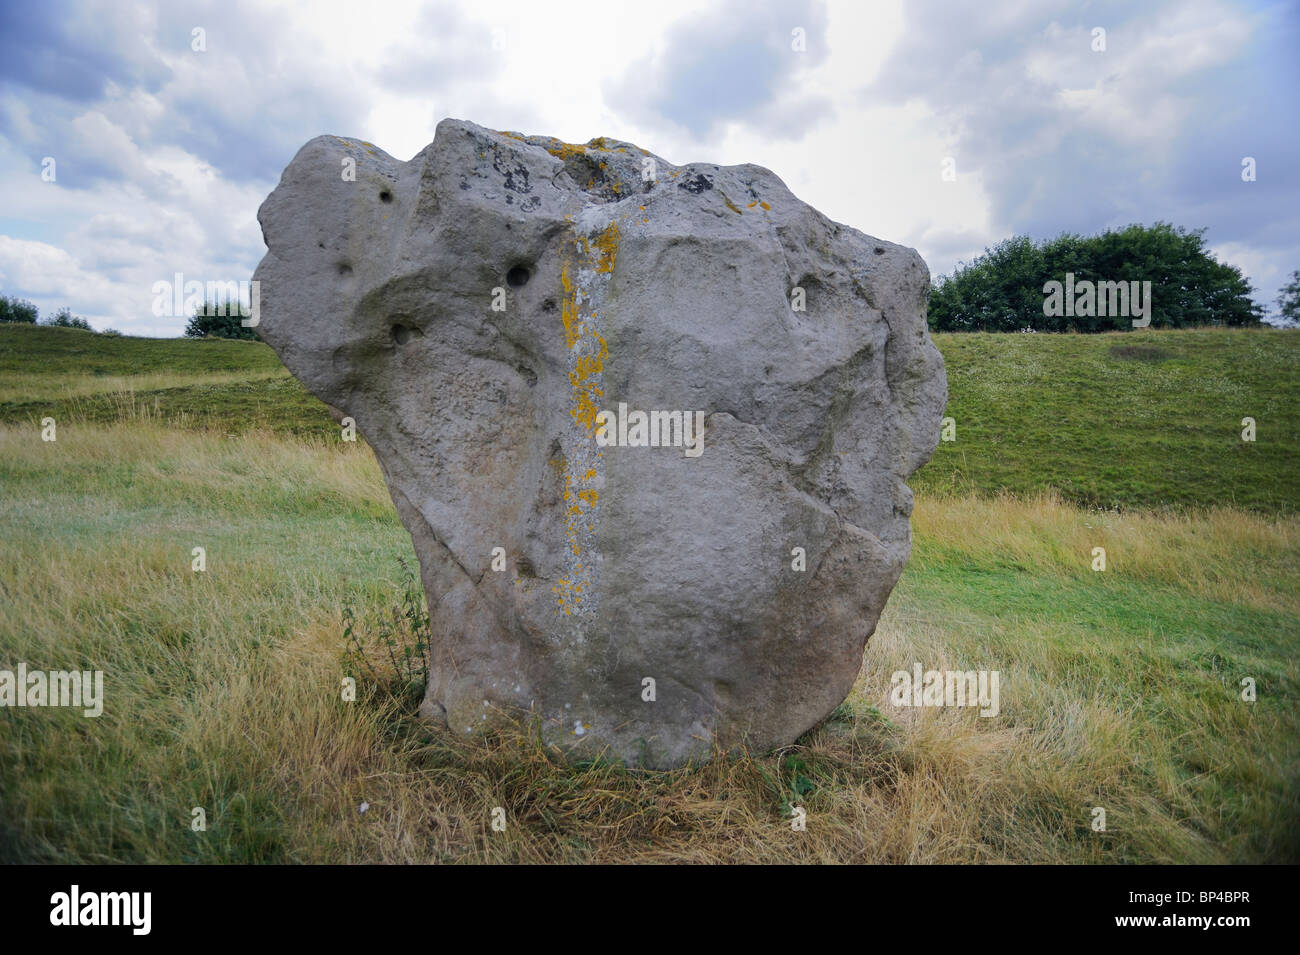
x,y
1002,290
19,310
64,318
220,320
391,645
1288,302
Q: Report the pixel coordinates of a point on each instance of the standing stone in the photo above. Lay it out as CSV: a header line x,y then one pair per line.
x,y
476,309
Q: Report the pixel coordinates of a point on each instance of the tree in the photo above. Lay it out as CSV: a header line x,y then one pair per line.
x,y
989,295
1288,302
14,309
220,320
64,318
1003,290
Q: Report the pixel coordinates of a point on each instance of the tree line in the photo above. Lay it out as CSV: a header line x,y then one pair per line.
x,y
1008,288
1016,286
22,312
213,318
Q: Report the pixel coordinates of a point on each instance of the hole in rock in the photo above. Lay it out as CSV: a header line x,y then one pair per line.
x,y
517,276
345,269
404,333
385,196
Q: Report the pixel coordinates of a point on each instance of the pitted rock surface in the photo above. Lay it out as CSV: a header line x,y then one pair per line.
x,y
476,309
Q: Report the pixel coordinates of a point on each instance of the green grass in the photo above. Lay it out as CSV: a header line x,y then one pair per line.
x,y
1120,689
1145,419
56,352
205,384
1158,644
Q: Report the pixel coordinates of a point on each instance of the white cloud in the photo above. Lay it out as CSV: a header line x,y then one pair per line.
x,y
165,170
47,274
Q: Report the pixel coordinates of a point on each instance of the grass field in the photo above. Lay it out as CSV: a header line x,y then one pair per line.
x,y
1143,420
1120,689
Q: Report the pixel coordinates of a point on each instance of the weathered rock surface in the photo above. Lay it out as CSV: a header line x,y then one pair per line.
x,y
474,308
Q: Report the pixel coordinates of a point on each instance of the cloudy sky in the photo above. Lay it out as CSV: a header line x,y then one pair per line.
x,y
163,152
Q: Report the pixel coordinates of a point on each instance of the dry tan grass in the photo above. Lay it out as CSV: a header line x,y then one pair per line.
x,y
1214,553
223,689
21,387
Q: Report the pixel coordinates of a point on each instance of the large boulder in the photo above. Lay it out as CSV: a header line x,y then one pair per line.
x,y
476,309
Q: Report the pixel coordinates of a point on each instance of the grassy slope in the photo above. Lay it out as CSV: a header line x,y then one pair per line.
x,y
228,386
1159,427
1033,412
68,351
1120,689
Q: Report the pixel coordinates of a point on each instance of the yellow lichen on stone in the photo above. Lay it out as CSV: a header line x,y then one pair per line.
x,y
607,243
589,365
565,151
585,411
584,261
569,308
